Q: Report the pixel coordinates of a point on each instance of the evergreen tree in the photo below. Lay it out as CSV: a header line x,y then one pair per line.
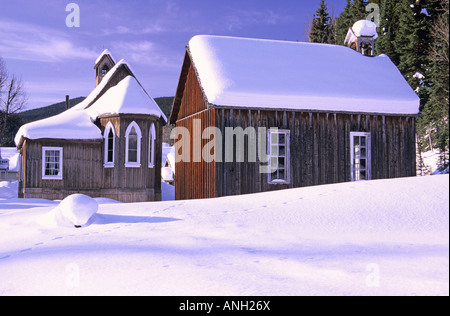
x,y
344,22
435,112
358,11
321,28
387,31
412,42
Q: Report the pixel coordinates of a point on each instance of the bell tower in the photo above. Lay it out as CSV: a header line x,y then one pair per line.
x,y
102,65
361,37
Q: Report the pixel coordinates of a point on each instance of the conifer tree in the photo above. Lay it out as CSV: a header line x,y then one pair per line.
x,y
321,28
344,22
387,31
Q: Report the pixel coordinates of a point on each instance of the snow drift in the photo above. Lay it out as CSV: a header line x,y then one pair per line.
x,y
381,237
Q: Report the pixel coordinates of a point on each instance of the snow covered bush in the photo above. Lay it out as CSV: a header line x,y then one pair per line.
x,y
76,209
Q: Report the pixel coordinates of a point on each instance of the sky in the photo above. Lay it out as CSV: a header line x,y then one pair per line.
x,y
54,60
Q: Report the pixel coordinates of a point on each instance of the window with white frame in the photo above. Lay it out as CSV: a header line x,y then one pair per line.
x,y
278,152
151,146
133,137
110,146
52,163
360,156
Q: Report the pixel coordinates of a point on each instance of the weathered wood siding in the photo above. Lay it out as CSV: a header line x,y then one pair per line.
x,y
193,101
319,148
84,171
195,179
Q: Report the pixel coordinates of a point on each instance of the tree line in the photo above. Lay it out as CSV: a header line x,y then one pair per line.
x,y
415,36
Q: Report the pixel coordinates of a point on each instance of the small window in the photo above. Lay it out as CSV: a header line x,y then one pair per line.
x,y
104,71
52,163
279,160
133,137
109,137
151,146
360,156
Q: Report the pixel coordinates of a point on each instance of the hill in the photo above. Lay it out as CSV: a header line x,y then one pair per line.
x,y
47,111
165,103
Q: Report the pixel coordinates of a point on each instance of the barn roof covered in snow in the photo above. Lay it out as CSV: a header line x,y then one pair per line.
x,y
127,97
268,74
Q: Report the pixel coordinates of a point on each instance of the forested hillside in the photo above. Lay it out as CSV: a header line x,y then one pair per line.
x,y
17,120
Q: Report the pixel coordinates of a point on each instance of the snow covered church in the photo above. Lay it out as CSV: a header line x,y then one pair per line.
x,y
109,145
340,114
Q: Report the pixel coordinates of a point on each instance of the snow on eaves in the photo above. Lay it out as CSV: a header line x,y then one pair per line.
x,y
105,52
127,97
255,73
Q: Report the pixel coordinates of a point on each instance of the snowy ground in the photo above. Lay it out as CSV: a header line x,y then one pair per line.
x,y
384,237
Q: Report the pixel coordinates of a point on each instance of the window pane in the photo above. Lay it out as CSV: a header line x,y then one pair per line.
x,y
363,163
356,140
282,174
363,152
363,141
52,163
363,175
282,139
282,151
132,155
274,151
281,163
110,146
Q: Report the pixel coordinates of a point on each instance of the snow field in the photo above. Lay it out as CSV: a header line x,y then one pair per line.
x,y
383,237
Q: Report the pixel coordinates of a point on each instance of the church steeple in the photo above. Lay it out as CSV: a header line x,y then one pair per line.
x,y
102,65
361,37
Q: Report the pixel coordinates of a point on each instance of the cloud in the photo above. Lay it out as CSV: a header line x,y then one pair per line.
x,y
241,19
31,42
144,53
121,29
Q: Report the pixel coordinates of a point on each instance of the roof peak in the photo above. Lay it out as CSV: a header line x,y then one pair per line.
x,y
105,52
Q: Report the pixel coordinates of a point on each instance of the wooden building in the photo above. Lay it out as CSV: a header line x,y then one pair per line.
x,y
339,116
109,145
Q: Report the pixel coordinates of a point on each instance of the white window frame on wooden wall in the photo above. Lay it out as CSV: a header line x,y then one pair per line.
x,y
108,129
275,152
47,159
360,151
133,164
151,145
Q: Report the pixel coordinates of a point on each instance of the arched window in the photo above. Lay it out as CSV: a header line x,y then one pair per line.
x,y
104,70
110,146
151,146
133,137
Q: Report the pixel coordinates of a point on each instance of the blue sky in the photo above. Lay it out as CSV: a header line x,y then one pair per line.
x,y
54,60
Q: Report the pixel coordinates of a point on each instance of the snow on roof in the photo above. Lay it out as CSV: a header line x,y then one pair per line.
x,y
255,73
127,97
74,123
105,52
365,28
